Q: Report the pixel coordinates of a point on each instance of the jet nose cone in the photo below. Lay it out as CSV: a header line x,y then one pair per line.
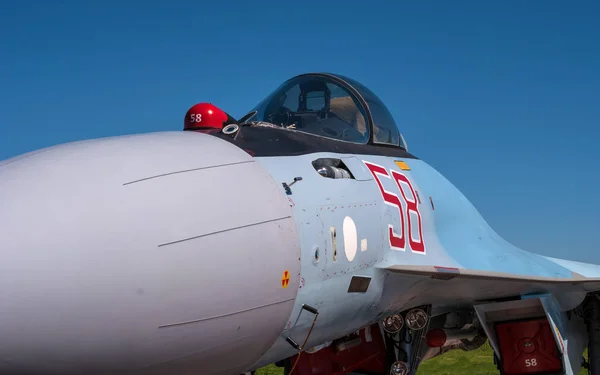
x,y
163,251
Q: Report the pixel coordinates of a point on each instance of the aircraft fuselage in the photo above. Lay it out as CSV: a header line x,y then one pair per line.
x,y
167,252
238,243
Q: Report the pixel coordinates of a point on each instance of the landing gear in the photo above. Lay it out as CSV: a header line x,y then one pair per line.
x,y
399,368
393,323
403,346
391,347
417,319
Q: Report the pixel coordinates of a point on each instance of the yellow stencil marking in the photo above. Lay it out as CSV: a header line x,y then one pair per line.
x,y
285,279
402,165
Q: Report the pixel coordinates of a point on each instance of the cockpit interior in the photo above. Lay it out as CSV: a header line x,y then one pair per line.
x,y
313,112
331,106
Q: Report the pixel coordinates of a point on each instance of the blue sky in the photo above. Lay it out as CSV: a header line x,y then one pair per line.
x,y
503,98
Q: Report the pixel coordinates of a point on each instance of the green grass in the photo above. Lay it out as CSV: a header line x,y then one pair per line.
x,y
270,370
455,362
479,361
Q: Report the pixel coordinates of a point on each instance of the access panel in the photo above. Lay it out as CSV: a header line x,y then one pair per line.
x,y
528,347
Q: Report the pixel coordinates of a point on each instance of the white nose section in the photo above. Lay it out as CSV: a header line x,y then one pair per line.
x,y
171,252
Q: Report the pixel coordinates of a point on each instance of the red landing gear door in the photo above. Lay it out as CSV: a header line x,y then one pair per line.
x,y
528,347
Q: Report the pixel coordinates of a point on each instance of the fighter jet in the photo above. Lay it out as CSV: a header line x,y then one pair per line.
x,y
304,234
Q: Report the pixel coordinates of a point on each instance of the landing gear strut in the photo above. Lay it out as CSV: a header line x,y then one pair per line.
x,y
393,350
403,345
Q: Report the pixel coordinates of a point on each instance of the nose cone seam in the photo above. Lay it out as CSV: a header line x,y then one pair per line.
x,y
187,170
225,230
129,239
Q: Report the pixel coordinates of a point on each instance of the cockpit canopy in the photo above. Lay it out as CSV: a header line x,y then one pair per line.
x,y
331,106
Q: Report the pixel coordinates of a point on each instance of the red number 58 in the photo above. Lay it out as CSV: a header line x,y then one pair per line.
x,y
398,240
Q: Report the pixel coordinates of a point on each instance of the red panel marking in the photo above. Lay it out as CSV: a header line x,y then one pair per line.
x,y
528,347
397,241
411,206
367,358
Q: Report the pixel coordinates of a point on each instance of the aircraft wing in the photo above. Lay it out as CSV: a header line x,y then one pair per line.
x,y
452,286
